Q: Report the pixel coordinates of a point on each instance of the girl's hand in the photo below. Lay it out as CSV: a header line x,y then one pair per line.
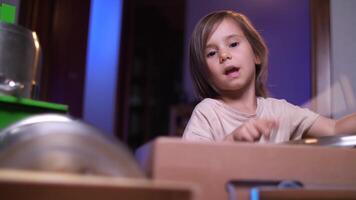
x,y
253,130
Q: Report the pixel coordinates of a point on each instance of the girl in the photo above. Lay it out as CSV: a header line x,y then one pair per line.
x,y
228,62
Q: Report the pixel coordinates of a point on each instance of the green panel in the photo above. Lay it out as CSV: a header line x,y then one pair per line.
x,y
7,13
32,103
13,109
8,118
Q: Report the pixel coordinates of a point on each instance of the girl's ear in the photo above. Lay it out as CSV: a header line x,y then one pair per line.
x,y
257,60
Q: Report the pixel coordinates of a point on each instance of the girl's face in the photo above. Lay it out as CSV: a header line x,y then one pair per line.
x,y
230,58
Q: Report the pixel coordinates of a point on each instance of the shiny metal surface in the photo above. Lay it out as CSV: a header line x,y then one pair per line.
x,y
19,60
336,141
58,143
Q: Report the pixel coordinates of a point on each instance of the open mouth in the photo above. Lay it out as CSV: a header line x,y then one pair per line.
x,y
232,71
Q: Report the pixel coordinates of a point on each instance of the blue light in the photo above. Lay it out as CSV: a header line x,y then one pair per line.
x,y
102,63
254,195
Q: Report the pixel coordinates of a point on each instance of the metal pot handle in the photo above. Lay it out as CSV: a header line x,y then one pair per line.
x,y
9,86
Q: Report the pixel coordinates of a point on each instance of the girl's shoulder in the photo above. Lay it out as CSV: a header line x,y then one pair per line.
x,y
281,105
207,108
272,101
207,103
274,104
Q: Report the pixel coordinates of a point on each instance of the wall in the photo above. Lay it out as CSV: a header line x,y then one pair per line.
x,y
343,57
285,25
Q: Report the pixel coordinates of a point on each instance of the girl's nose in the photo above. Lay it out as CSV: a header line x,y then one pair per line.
x,y
224,56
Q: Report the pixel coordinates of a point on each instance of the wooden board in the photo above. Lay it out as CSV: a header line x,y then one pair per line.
x,y
213,165
19,185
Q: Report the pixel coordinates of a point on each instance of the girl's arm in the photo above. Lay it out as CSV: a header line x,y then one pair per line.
x,y
326,127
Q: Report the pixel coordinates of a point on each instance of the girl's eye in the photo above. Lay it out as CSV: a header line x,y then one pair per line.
x,y
210,54
234,44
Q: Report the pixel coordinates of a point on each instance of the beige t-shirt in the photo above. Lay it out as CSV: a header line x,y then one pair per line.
x,y
212,120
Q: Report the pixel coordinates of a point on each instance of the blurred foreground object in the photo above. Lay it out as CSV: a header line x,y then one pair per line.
x,y
57,143
344,102
52,156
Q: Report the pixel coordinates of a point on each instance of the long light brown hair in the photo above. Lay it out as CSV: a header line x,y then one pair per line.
x,y
197,58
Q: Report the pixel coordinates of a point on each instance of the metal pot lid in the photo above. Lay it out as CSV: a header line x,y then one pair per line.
x,y
334,141
58,143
